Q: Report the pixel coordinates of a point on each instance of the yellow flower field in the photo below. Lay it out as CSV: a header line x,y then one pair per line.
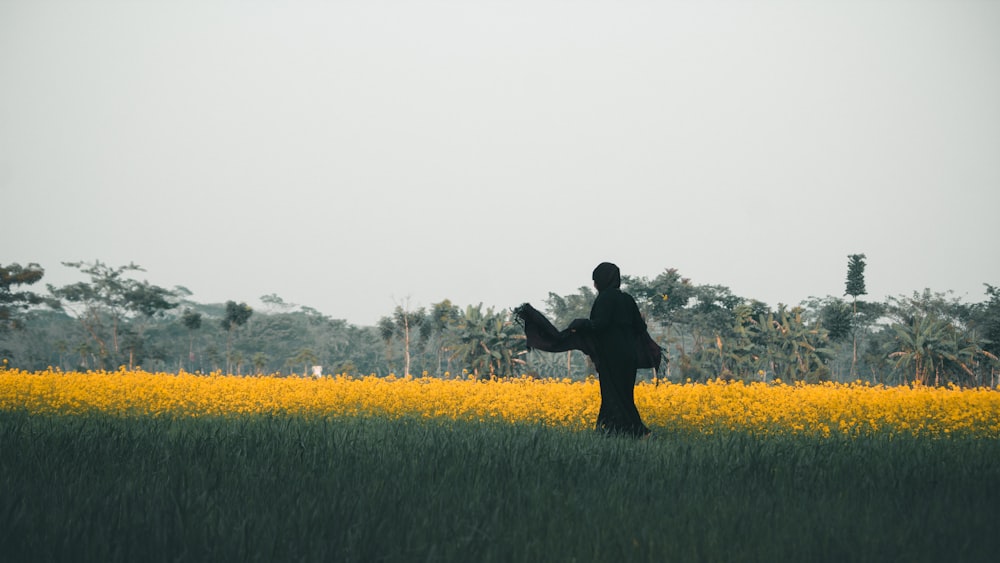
x,y
814,410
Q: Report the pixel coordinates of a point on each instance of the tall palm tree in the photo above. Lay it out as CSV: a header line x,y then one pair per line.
x,y
405,324
192,322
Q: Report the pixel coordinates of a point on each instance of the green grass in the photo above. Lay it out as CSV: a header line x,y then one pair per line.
x,y
106,489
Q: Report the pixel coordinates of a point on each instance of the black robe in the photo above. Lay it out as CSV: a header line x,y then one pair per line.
x,y
616,340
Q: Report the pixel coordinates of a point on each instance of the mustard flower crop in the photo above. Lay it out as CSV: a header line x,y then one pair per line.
x,y
825,410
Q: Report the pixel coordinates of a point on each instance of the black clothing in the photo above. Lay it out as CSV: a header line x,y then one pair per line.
x,y
616,340
542,335
616,326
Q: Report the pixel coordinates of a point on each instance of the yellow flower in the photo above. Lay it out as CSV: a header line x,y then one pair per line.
x,y
823,410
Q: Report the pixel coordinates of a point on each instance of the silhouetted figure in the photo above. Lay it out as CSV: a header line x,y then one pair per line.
x,y
615,338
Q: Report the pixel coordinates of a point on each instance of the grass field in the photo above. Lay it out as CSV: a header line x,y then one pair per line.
x,y
282,488
133,466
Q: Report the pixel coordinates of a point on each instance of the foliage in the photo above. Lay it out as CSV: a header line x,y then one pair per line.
x,y
305,357
836,316
443,316
237,315
191,319
12,301
706,330
855,285
662,298
112,304
933,339
489,343
563,310
931,345
412,326
986,321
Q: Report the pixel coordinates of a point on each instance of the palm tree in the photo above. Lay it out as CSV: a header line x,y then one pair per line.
x,y
442,316
305,357
192,322
793,350
259,361
918,343
237,315
766,336
960,356
403,323
740,346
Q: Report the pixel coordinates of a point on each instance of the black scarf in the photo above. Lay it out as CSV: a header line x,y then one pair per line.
x,y
543,335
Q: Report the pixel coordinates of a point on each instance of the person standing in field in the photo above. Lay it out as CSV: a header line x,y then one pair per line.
x,y
618,332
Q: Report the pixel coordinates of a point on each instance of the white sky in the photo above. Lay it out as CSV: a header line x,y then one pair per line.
x,y
352,156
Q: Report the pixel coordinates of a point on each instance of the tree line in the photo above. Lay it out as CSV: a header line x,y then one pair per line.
x,y
707,332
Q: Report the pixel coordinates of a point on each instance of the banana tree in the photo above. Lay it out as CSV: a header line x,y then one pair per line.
x,y
767,336
792,349
738,348
487,342
960,357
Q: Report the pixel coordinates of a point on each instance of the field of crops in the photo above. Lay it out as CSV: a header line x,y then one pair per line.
x,y
762,409
127,466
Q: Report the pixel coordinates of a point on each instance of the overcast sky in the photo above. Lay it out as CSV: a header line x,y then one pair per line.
x,y
354,156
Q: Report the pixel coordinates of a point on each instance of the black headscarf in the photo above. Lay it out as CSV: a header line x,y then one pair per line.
x,y
607,276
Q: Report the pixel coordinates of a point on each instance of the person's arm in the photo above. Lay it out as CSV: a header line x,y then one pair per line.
x,y
600,315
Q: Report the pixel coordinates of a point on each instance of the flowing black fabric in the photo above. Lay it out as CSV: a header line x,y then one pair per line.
x,y
542,335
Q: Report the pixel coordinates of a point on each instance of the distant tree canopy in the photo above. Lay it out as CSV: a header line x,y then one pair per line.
x,y
110,303
706,330
13,302
408,325
988,320
237,315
